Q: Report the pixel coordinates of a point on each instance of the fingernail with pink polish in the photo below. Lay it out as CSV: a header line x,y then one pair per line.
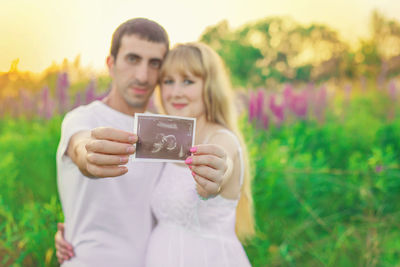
x,y
188,160
193,174
193,149
132,138
190,166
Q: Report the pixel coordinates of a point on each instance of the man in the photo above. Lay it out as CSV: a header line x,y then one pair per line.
x,y
108,221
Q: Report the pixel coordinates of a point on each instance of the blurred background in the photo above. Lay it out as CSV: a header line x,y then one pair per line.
x,y
317,86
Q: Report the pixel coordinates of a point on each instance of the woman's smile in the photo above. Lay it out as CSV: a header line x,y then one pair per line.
x,y
179,105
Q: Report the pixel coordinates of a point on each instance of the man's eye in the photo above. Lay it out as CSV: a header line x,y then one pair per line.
x,y
155,64
132,58
187,82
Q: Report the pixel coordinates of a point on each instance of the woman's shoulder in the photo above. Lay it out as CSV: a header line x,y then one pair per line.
x,y
219,131
222,136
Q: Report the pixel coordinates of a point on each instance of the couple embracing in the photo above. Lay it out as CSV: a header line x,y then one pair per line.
x,y
126,213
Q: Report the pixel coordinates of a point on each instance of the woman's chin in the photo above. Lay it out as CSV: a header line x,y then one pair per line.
x,y
180,114
175,112
183,112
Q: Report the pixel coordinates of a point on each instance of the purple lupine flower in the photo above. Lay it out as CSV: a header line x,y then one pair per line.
x,y
288,95
259,104
15,109
26,103
321,96
242,101
252,107
382,75
62,92
378,168
78,100
4,106
47,104
310,90
393,97
299,104
2,110
320,102
278,111
103,95
90,95
265,121
44,101
392,91
50,109
310,86
296,103
35,104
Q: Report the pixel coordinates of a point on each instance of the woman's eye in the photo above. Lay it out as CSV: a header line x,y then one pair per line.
x,y
168,81
187,82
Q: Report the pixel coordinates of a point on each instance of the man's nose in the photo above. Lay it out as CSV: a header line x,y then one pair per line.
x,y
142,74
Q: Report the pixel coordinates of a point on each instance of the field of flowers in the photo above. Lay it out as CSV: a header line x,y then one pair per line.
x,y
326,166
327,184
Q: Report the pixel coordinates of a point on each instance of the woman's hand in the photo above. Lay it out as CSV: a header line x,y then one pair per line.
x,y
63,248
210,165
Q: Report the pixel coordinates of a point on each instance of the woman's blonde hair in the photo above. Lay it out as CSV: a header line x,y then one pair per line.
x,y
202,61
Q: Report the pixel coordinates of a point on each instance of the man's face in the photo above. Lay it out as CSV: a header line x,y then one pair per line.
x,y
135,70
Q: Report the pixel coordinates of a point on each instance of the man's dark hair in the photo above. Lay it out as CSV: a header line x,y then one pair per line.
x,y
144,28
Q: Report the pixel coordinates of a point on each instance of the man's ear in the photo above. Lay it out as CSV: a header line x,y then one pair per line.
x,y
110,64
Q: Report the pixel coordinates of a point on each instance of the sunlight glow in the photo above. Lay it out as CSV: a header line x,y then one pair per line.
x,y
44,31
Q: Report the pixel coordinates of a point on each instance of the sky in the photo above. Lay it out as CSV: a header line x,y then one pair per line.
x,y
39,32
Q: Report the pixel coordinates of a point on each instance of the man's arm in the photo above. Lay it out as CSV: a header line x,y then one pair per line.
x,y
101,152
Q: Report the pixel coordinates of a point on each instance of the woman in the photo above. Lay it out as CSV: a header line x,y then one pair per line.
x,y
192,230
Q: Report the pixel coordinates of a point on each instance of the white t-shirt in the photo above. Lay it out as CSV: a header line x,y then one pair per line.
x,y
108,221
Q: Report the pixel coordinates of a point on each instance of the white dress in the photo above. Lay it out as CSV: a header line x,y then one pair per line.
x,y
191,231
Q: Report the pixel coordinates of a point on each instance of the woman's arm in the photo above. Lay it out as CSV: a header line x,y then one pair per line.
x,y
216,166
64,250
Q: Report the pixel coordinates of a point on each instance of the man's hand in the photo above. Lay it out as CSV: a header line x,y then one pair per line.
x,y
102,151
210,165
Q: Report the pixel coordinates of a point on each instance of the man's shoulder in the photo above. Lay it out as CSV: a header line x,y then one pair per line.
x,y
85,114
85,108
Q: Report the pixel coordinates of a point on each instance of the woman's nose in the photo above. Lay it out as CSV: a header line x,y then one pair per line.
x,y
177,89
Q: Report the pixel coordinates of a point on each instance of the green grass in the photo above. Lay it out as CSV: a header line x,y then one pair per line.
x,y
29,206
325,194
320,199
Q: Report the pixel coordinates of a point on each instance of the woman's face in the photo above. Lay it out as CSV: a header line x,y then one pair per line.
x,y
182,95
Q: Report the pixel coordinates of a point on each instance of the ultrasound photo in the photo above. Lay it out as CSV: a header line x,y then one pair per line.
x,y
163,138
